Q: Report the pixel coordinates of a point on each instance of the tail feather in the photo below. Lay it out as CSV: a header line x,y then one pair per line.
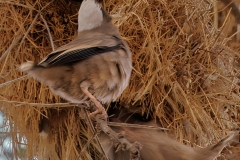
x,y
27,66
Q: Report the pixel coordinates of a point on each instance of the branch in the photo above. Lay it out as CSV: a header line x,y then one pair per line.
x,y
118,139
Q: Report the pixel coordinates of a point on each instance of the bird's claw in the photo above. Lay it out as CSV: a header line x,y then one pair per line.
x,y
101,111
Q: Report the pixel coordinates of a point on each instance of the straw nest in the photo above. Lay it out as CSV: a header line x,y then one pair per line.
x,y
184,76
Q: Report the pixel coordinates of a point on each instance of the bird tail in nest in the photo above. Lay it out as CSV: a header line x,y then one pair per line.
x,y
27,66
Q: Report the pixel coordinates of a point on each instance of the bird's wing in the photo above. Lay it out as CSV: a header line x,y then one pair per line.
x,y
81,49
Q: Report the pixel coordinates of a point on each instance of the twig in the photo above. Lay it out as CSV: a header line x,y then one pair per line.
x,y
49,33
165,5
13,81
116,124
86,145
14,42
118,139
94,136
221,28
93,131
54,105
21,42
17,4
44,7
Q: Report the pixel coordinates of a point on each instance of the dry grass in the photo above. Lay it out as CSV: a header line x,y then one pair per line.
x,y
183,75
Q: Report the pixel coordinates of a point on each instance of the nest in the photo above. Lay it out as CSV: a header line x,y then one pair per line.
x,y
183,76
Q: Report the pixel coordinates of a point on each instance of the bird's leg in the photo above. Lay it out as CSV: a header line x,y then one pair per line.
x,y
100,108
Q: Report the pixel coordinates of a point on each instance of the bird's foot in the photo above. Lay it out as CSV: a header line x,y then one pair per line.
x,y
100,110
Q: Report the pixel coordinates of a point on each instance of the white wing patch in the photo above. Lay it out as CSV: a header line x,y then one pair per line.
x,y
89,16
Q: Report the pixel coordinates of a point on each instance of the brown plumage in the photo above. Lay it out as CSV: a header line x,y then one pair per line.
x,y
156,145
97,64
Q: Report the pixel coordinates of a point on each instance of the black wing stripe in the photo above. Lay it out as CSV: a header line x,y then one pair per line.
x,y
69,57
81,54
50,57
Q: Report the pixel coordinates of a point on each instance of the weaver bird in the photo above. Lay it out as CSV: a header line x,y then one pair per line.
x,y
96,65
155,144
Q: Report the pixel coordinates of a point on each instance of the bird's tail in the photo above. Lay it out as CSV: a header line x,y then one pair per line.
x,y
27,66
33,70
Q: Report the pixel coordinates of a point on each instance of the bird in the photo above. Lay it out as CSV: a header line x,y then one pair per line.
x,y
156,145
94,66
